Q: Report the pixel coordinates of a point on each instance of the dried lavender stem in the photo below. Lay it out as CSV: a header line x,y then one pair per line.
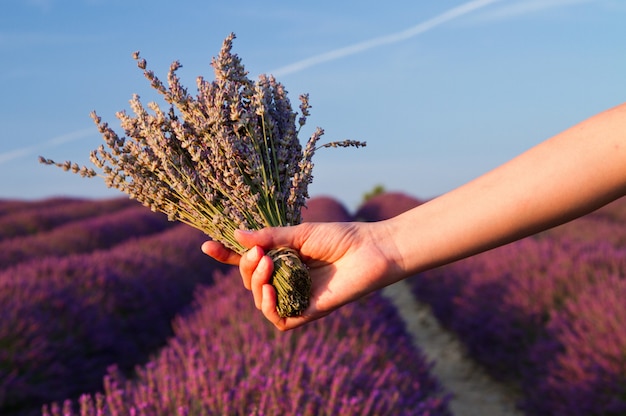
x,y
291,280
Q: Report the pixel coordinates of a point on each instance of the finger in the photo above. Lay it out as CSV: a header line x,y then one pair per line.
x,y
270,237
248,264
261,277
220,253
268,306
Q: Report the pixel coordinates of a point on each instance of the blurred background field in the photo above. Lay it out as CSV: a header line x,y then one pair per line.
x,y
97,298
107,306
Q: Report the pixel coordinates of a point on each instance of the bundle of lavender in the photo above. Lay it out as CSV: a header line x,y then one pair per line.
x,y
226,159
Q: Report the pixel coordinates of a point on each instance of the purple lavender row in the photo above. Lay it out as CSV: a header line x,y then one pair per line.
x,y
226,359
579,367
44,215
384,206
65,320
81,236
602,226
325,209
499,302
8,206
18,390
521,310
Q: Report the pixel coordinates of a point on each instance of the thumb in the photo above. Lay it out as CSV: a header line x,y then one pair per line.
x,y
270,237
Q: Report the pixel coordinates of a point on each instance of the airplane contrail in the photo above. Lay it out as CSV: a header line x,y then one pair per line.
x,y
420,28
384,40
295,67
528,6
55,141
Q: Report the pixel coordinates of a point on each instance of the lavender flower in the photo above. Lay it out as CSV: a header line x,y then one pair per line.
x,y
385,205
580,364
546,313
222,361
323,208
82,236
66,319
226,159
37,216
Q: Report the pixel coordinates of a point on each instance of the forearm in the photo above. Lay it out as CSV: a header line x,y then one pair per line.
x,y
558,180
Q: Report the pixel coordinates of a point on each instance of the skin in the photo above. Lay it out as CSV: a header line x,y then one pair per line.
x,y
558,180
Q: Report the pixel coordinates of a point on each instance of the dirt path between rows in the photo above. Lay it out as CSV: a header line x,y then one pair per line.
x,y
474,392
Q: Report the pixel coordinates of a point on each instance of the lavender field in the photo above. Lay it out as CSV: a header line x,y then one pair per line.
x,y
109,309
547,313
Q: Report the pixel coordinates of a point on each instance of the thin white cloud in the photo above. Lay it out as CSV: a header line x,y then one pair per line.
x,y
53,142
16,154
411,32
526,7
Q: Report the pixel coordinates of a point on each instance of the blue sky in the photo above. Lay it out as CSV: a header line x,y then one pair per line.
x,y
441,91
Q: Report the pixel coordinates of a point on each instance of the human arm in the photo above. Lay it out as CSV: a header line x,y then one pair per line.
x,y
560,179
568,175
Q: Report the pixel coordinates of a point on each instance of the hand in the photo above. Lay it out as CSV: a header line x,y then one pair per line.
x,y
345,262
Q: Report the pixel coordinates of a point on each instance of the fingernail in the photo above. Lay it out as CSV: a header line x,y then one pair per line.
x,y
254,253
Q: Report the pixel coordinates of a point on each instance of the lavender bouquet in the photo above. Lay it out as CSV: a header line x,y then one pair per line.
x,y
226,159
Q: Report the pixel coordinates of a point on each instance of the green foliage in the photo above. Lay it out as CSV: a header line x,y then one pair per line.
x,y
376,190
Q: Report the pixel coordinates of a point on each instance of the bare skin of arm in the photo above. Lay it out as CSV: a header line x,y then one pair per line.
x,y
560,179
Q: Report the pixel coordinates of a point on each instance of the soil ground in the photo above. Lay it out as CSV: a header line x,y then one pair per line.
x,y
474,393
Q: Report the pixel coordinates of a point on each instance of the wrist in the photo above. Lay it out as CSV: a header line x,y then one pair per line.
x,y
386,235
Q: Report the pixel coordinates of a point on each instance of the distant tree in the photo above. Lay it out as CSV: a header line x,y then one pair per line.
x,y
377,190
